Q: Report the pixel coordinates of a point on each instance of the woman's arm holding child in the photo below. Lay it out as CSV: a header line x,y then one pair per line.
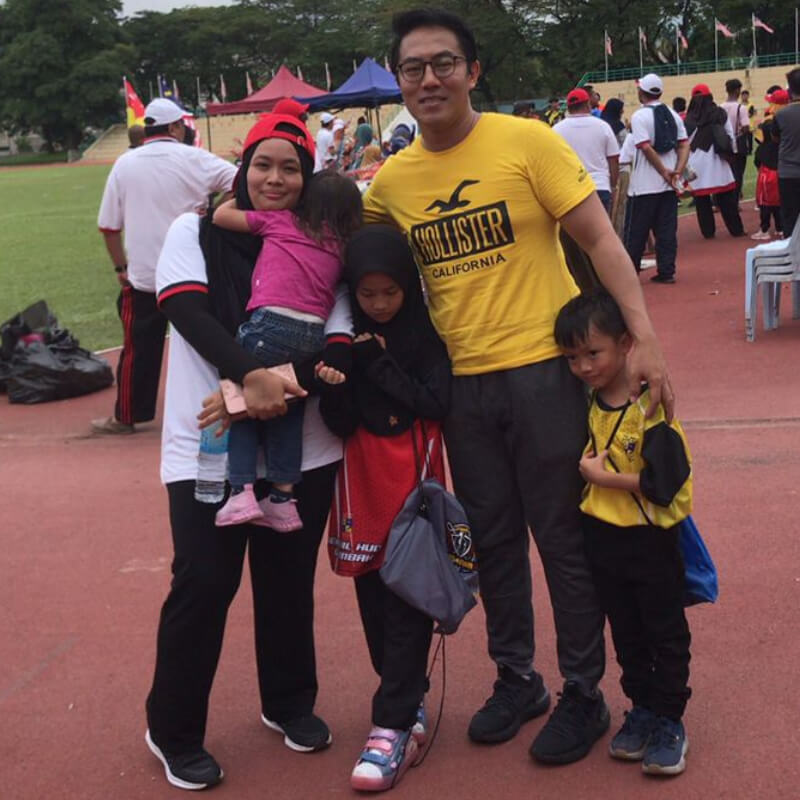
x,y
231,218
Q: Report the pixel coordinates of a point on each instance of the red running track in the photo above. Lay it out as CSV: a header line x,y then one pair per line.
x,y
85,567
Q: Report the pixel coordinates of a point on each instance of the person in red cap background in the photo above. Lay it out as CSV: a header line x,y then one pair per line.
x,y
594,142
203,282
709,128
293,292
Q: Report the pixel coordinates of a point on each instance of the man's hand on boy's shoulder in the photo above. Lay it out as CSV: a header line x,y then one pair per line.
x,y
646,364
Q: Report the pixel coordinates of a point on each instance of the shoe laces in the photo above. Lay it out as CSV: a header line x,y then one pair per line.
x,y
571,708
636,720
666,733
505,695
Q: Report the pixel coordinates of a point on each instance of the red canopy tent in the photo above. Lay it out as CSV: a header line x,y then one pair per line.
x,y
284,84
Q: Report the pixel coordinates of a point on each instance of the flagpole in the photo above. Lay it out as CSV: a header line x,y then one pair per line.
x,y
197,82
795,36
605,50
753,23
678,50
716,47
125,94
641,62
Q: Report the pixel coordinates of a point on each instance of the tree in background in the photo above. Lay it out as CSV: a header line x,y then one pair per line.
x,y
61,66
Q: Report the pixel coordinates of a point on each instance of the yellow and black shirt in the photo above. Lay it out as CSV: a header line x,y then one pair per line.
x,y
655,449
481,219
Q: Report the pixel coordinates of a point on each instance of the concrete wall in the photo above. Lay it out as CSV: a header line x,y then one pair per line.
x,y
756,80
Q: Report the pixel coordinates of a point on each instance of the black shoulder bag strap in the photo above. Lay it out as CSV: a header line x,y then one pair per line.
x,y
608,446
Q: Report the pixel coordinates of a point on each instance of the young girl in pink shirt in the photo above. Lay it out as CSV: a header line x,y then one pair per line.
x,y
292,294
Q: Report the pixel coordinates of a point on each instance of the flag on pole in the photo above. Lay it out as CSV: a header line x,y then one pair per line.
x,y
223,90
248,83
299,73
609,51
723,29
642,37
684,43
328,81
164,89
176,95
757,23
134,107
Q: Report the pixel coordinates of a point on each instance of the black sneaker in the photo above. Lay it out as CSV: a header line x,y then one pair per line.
x,y
304,734
515,700
663,279
576,723
197,770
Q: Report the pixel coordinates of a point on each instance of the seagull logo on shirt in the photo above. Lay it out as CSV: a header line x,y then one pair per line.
x,y
455,201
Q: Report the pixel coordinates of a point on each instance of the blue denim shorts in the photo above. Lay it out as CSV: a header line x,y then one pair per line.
x,y
277,339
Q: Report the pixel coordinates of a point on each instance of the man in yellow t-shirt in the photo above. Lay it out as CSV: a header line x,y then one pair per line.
x,y
480,197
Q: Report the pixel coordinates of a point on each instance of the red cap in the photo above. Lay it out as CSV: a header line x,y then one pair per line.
x,y
701,89
291,107
577,96
265,128
780,97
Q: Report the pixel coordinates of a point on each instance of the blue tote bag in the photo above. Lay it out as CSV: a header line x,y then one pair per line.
x,y
701,574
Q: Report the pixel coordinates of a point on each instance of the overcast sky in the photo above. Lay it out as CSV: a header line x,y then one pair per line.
x,y
130,7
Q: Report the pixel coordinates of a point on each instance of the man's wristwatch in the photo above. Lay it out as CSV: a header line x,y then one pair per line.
x,y
121,268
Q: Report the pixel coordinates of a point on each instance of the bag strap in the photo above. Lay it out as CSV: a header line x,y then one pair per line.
x,y
439,646
611,460
422,465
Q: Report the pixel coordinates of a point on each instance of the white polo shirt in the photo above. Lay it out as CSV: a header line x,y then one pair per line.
x,y
644,178
593,141
323,145
190,378
147,188
738,118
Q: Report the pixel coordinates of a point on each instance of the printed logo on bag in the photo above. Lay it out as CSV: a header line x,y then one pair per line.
x,y
461,550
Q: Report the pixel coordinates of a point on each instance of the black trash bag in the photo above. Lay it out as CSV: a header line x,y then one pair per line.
x,y
44,362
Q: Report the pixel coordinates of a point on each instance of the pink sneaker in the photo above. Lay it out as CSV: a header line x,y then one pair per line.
x,y
387,754
281,517
240,508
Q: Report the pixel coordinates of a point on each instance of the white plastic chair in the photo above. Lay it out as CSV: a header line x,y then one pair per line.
x,y
771,264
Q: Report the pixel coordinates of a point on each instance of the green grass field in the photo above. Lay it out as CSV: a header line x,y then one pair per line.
x,y
50,249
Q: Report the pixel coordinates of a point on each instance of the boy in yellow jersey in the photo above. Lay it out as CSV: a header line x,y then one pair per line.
x,y
481,198
638,489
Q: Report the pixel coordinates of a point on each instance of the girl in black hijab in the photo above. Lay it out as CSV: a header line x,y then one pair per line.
x,y
388,408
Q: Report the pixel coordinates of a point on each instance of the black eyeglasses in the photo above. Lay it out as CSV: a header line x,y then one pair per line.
x,y
443,66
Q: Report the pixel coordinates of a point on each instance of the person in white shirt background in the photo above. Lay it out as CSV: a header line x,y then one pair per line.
x,y
655,178
324,142
740,124
594,142
147,188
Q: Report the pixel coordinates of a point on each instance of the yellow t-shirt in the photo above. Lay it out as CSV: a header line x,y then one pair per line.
x,y
635,438
481,219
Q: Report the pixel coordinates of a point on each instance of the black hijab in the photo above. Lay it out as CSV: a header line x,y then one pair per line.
x,y
231,256
702,115
612,114
411,340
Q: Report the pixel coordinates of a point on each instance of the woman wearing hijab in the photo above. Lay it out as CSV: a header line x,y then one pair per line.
x,y
364,138
389,409
612,114
203,284
710,138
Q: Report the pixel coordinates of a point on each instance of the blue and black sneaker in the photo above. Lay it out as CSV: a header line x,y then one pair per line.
x,y
667,748
630,741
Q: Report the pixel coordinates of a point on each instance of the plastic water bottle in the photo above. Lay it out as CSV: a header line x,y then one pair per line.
x,y
211,460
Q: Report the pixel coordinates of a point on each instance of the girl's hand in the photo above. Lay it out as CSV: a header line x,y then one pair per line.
x,y
365,337
592,468
214,411
328,374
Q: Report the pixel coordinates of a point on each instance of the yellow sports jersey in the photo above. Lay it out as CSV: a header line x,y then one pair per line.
x,y
655,449
481,219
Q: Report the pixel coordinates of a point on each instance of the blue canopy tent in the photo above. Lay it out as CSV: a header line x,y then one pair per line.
x,y
369,86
